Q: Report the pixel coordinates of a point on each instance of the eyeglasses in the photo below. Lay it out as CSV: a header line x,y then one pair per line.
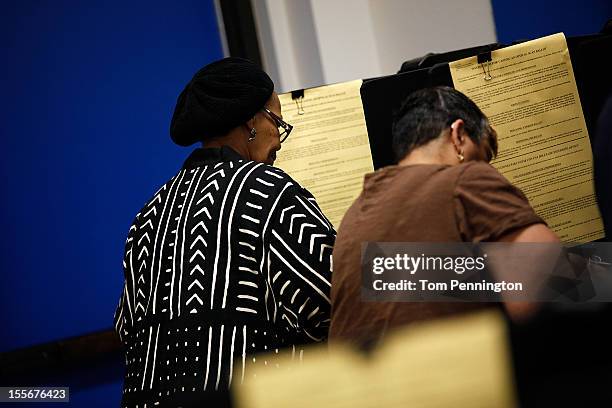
x,y
283,127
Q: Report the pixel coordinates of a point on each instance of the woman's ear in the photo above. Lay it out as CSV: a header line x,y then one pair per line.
x,y
251,123
457,133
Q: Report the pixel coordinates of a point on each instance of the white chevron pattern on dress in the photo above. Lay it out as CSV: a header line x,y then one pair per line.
x,y
242,251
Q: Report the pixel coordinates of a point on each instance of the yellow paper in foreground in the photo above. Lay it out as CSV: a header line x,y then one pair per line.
x,y
459,362
328,151
532,102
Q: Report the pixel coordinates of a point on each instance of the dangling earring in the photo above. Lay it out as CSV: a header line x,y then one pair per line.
x,y
460,156
253,134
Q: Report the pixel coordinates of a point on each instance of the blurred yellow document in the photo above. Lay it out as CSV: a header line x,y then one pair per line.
x,y
328,151
459,362
529,93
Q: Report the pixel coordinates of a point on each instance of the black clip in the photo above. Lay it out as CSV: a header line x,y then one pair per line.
x,y
298,97
483,58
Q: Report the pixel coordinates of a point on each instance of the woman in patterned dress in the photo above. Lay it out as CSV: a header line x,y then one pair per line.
x,y
229,258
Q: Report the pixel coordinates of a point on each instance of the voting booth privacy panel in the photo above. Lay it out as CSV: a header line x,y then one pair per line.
x,y
381,96
542,96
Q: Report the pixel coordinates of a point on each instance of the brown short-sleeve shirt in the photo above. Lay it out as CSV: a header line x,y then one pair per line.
x,y
470,202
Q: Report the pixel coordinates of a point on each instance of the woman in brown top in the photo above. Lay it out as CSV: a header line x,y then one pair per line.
x,y
441,190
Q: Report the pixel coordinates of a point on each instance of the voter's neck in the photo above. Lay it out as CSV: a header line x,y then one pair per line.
x,y
431,153
236,139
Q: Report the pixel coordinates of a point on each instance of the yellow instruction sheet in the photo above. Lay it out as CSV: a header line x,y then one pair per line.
x,y
328,151
529,93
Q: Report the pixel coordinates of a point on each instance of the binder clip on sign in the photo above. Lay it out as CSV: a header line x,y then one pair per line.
x,y
484,59
298,97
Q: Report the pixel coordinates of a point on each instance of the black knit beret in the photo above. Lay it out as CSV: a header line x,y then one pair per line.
x,y
219,97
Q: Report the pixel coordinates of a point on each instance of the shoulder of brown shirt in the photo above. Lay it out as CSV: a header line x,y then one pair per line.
x,y
478,169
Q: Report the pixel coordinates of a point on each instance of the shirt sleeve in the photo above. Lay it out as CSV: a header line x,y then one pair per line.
x,y
123,318
300,261
488,206
119,318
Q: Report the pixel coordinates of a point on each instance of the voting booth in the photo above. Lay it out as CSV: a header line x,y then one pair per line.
x,y
541,96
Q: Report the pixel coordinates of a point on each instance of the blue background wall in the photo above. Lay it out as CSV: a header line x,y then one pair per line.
x,y
529,19
87,93
88,90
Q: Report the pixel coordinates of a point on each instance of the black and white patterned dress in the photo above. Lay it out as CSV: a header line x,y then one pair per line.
x,y
228,259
